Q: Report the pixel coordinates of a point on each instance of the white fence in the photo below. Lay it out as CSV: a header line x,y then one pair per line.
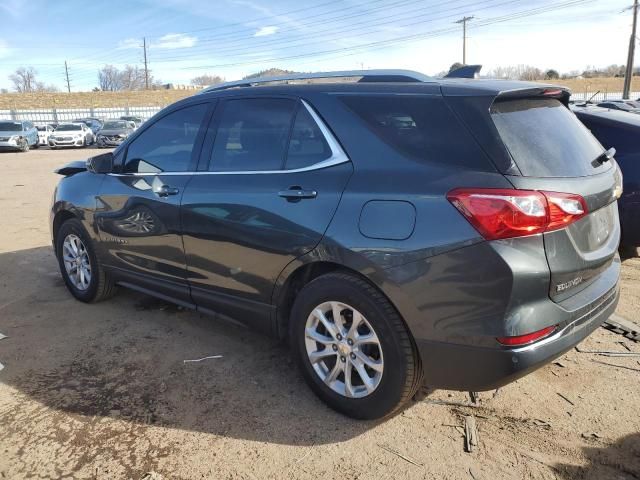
x,y
602,96
56,115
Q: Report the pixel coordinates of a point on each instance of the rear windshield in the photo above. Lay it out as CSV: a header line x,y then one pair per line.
x,y
545,139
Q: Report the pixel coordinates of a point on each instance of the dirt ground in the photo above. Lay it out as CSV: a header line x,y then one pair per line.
x,y
102,391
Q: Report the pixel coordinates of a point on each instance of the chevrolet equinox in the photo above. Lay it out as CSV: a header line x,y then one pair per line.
x,y
399,231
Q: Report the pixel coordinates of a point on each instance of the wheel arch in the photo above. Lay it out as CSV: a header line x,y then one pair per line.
x,y
303,273
60,217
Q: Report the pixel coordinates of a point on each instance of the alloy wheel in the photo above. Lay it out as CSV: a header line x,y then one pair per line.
x,y
344,350
76,262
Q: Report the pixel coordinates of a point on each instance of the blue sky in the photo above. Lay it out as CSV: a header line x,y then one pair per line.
x,y
232,38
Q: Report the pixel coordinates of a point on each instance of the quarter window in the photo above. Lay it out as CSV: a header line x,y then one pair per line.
x,y
252,135
167,145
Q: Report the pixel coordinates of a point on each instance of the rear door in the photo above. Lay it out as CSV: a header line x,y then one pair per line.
x,y
138,209
554,152
272,176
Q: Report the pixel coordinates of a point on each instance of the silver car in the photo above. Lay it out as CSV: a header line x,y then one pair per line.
x,y
18,135
71,135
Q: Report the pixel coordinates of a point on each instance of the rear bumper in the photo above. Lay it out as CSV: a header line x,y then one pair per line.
x,y
469,368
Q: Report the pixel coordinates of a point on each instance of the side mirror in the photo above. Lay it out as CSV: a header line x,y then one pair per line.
x,y
101,163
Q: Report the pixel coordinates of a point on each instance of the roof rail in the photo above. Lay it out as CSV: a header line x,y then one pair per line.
x,y
366,76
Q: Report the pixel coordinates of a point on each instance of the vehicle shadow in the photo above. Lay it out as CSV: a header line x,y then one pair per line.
x,y
125,358
619,461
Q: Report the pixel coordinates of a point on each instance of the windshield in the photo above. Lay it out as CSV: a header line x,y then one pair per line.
x,y
42,129
10,127
545,139
68,128
115,125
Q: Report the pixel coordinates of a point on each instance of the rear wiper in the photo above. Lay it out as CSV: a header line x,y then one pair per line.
x,y
605,156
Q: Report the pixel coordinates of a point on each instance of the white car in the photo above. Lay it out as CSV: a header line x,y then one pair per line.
x,y
44,132
71,135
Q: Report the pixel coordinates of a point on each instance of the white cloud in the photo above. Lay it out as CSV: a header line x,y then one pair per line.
x,y
264,31
175,40
130,43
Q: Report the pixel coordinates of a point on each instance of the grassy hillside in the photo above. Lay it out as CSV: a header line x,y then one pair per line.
x,y
28,101
592,85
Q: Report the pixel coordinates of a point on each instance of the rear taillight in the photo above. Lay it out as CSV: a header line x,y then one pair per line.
x,y
520,340
508,213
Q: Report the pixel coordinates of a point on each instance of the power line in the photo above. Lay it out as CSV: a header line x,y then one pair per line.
x,y
66,72
146,68
464,21
418,36
367,27
631,54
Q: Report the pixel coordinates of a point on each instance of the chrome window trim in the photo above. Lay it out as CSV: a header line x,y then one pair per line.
x,y
338,156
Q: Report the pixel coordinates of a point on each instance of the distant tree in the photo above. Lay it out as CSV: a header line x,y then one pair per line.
x,y
41,87
206,80
24,79
132,78
109,79
269,72
528,72
4,90
455,66
551,74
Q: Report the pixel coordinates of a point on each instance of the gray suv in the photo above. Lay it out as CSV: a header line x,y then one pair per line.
x,y
399,231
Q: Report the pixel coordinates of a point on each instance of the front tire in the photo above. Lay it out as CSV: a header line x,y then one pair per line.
x,y
24,145
353,347
83,275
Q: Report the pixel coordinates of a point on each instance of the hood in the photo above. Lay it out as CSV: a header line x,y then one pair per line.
x,y
10,133
116,131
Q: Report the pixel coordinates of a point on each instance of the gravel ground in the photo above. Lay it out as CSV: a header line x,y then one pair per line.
x,y
102,391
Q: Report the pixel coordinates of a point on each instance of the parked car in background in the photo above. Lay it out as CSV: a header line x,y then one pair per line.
x,y
71,135
621,131
18,135
44,132
94,124
623,105
399,230
114,132
137,121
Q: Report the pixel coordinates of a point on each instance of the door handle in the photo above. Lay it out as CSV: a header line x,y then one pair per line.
x,y
166,190
297,193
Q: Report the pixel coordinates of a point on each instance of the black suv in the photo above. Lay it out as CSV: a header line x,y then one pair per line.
x,y
398,230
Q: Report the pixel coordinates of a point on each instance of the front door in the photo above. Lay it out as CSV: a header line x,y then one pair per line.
x,y
138,209
272,185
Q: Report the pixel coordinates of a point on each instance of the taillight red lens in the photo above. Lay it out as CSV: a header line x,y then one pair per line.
x,y
508,213
521,340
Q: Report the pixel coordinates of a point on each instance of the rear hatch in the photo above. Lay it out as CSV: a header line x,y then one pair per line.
x,y
550,150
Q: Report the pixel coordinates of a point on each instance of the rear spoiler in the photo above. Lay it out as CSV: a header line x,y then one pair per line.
x,y
465,71
544,91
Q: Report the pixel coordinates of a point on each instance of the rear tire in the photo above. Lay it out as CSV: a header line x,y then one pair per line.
x,y
393,355
74,248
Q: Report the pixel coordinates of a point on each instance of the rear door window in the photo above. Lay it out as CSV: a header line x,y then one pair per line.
x,y
545,139
252,135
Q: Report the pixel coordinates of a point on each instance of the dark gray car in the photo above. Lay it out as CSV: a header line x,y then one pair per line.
x,y
399,230
114,132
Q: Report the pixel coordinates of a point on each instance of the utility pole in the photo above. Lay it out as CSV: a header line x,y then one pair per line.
x,y
66,72
146,68
632,49
464,21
